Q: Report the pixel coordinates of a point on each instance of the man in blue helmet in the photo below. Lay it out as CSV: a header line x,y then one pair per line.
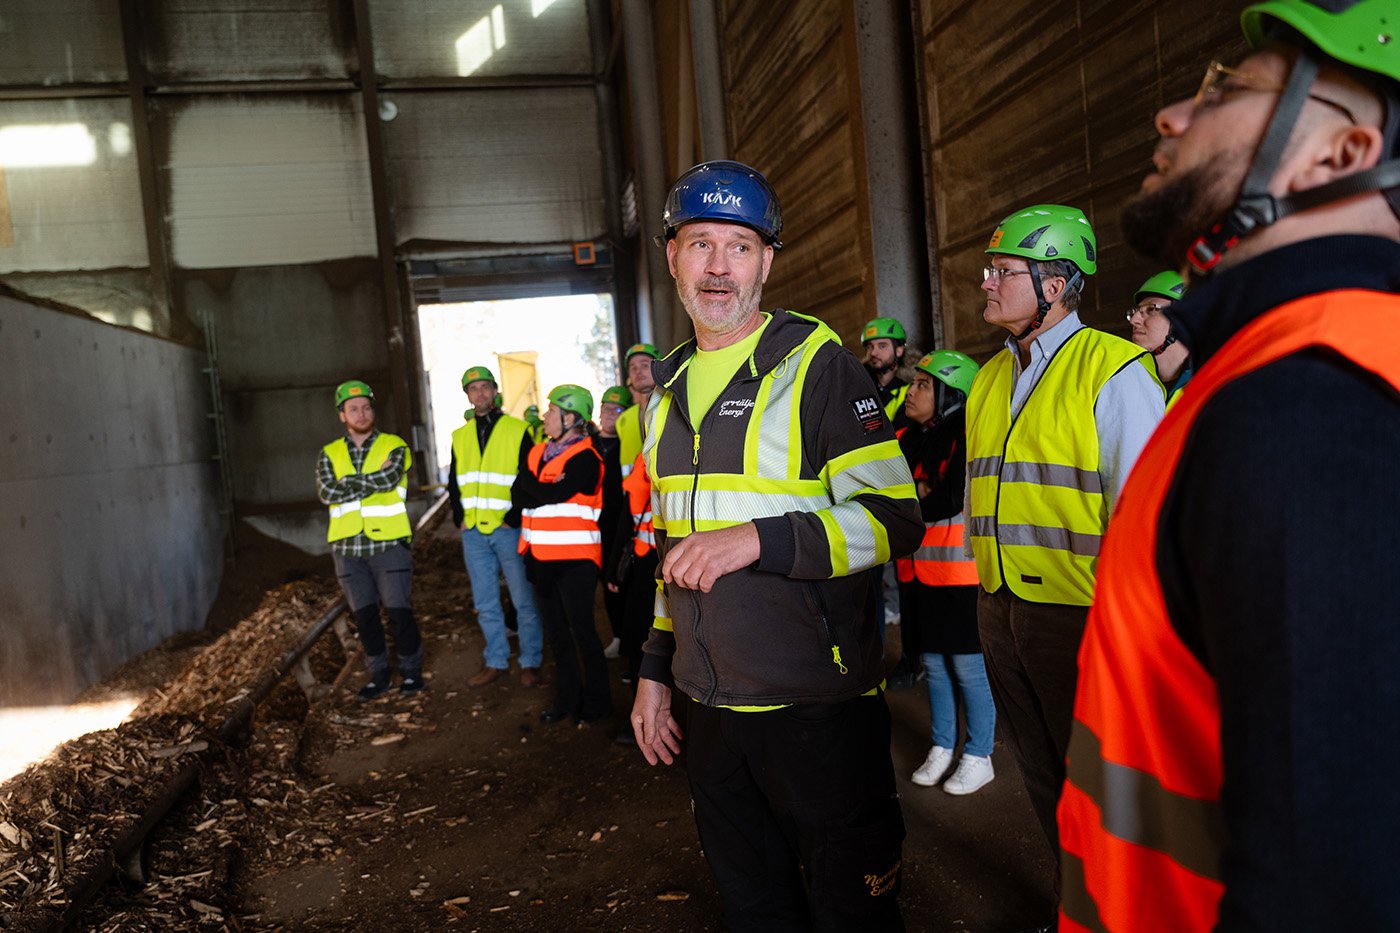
x,y
776,482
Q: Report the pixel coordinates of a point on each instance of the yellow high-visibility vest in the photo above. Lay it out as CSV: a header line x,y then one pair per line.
x,y
896,403
484,479
629,437
382,516
1038,512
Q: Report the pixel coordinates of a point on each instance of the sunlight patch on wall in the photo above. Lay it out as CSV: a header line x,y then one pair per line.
x,y
476,46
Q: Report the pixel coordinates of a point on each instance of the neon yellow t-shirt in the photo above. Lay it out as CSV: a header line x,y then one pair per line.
x,y
709,371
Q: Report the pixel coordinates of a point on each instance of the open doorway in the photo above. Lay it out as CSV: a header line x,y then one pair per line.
x,y
530,344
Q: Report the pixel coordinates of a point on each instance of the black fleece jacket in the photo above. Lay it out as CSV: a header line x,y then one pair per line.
x,y
1278,538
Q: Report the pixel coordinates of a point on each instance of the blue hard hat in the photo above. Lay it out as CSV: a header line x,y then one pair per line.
x,y
727,192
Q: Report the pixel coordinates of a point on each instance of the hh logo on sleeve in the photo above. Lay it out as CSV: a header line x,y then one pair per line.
x,y
868,413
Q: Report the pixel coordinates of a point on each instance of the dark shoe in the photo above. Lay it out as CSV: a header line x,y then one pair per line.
x,y
587,719
551,716
378,685
487,675
411,683
530,677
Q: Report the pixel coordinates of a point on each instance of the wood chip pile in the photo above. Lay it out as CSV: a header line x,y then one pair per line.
x,y
224,672
60,818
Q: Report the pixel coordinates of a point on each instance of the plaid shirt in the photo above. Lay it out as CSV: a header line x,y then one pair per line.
x,y
356,486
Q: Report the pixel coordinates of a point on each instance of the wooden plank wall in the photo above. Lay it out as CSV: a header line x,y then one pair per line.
x,y
793,99
1031,101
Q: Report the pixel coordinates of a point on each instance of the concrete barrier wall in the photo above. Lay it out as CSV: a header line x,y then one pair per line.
x,y
110,534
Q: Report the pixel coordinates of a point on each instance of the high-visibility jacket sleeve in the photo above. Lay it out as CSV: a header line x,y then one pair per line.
x,y
874,516
660,645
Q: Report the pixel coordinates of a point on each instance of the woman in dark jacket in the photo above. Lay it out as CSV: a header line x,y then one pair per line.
x,y
938,582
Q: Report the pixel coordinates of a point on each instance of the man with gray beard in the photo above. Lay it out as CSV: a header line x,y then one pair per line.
x,y
776,482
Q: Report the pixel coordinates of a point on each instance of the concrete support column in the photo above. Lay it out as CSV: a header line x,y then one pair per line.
x,y
624,289
709,80
888,116
639,35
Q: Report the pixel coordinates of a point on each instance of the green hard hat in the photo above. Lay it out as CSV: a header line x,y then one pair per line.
x,y
617,395
477,374
532,414
576,399
1168,285
953,369
886,327
647,348
1046,232
1363,35
353,388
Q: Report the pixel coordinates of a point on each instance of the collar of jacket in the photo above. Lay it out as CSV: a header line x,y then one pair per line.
x,y
1214,311
787,331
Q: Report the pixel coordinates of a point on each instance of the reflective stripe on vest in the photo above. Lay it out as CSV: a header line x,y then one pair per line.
x,y
484,479
637,486
941,559
1141,827
382,516
565,530
1038,512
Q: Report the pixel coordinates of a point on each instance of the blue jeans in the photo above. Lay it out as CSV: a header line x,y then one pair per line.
x,y
981,714
488,557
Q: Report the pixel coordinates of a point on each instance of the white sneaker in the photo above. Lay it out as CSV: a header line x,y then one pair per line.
x,y
614,649
974,773
934,767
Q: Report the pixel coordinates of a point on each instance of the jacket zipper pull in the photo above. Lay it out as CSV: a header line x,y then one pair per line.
x,y
836,656
695,451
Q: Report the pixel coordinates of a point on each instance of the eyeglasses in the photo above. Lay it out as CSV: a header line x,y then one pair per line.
x,y
1213,88
992,272
1146,309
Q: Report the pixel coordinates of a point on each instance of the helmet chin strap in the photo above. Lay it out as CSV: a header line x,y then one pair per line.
x,y
1255,207
1165,343
1042,307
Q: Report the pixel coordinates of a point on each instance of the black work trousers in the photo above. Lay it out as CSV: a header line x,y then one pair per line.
x,y
564,595
1032,650
798,815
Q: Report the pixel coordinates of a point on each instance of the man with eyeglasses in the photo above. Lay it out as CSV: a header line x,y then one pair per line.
x,y
1235,744
1153,332
1054,423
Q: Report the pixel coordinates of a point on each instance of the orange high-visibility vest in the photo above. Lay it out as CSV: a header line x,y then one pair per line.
x,y
637,485
941,559
565,530
1141,827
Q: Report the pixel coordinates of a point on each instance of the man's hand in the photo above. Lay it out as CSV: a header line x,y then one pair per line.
x,y
657,732
702,558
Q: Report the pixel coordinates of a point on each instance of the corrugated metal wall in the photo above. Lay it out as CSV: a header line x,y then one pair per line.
x,y
1031,101
793,90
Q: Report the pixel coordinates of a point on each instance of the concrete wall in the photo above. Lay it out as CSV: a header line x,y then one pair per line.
x,y
112,538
